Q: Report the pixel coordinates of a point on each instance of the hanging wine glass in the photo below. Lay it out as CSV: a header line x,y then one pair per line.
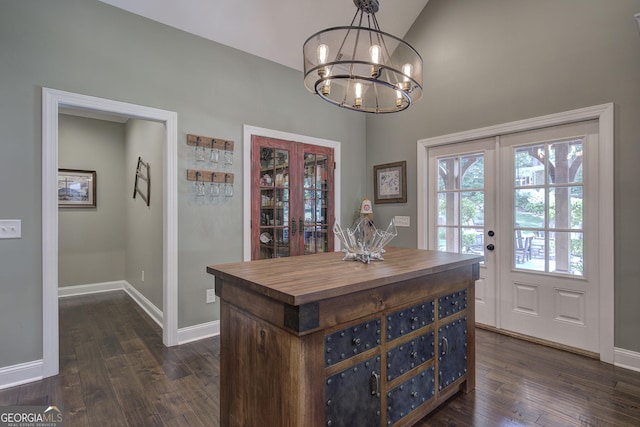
x,y
214,187
200,187
228,187
199,151
228,154
214,155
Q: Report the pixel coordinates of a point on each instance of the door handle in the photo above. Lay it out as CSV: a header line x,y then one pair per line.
x,y
293,226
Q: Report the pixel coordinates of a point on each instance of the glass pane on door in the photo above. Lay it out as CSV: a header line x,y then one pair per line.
x,y
316,195
274,203
548,200
460,197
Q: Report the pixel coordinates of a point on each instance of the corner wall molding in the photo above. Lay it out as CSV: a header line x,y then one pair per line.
x,y
154,312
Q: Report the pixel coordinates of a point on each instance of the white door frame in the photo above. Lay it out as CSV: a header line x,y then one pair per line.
x,y
604,114
248,132
52,100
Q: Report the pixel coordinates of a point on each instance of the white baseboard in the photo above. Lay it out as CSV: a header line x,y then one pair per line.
x,y
198,332
22,373
626,359
154,312
92,288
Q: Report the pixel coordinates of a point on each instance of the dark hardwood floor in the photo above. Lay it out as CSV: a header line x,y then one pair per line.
x,y
114,371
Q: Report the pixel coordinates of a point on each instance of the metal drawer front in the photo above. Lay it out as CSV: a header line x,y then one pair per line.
x,y
407,356
410,319
348,342
409,395
452,351
352,397
452,303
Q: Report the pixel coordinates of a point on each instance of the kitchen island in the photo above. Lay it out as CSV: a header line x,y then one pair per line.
x,y
318,341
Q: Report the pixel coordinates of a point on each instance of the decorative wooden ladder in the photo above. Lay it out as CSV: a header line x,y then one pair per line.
x,y
140,175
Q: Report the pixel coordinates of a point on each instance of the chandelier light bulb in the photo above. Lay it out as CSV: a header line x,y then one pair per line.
x,y
398,98
406,70
323,53
374,53
358,93
326,86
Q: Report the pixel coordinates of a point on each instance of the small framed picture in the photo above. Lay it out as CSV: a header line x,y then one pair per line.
x,y
390,183
77,188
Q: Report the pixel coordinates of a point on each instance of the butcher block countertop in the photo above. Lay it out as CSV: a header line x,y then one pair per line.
x,y
311,278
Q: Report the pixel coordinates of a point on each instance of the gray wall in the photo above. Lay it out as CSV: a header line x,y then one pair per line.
x,y
88,47
144,231
91,245
496,61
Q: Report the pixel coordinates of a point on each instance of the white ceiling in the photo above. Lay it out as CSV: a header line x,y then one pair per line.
x,y
271,29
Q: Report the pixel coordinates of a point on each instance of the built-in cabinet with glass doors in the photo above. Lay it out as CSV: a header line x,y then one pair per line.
x,y
291,198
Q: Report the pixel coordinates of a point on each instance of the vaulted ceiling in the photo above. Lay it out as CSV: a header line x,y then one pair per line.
x,y
271,29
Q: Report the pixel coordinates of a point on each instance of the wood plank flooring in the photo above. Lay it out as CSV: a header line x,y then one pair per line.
x,y
114,371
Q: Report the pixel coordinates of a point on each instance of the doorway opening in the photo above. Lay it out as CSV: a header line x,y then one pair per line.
x,y
52,101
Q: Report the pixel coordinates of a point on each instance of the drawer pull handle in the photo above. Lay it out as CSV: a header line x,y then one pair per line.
x,y
445,346
375,383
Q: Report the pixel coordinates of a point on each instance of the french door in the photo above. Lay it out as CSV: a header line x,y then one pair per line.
x,y
528,202
462,217
549,202
292,198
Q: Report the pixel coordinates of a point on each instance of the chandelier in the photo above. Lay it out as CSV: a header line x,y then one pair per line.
x,y
362,68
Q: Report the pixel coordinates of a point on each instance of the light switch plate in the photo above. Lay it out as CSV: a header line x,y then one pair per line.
x,y
402,221
10,229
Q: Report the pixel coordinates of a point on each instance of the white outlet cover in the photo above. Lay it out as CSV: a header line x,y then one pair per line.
x,y
402,221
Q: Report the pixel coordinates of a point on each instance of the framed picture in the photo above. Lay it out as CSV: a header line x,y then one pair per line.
x,y
76,188
390,183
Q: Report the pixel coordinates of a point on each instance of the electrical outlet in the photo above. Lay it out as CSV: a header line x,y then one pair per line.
x,y
402,221
211,296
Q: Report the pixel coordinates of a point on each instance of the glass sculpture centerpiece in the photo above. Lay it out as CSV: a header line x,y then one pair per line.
x,y
363,241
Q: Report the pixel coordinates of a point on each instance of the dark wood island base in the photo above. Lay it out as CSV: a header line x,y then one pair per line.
x,y
315,341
